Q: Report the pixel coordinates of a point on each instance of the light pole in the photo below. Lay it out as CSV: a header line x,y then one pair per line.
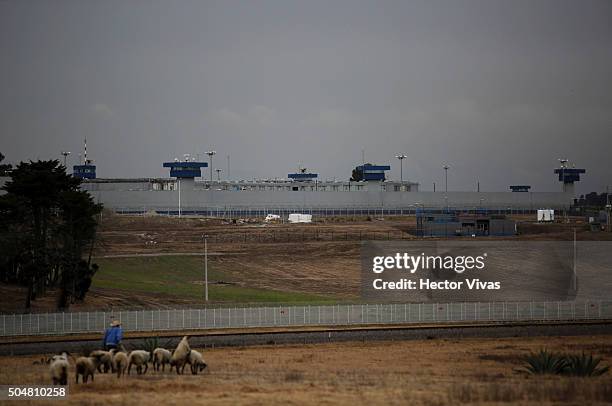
x,y
211,154
65,154
401,159
218,170
609,208
446,177
228,167
205,238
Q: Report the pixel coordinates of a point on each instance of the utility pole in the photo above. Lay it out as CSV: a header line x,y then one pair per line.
x,y
205,238
218,170
228,167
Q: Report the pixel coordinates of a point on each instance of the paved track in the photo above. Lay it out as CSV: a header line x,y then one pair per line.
x,y
247,337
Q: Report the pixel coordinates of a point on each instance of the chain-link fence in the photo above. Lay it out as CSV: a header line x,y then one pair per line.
x,y
279,316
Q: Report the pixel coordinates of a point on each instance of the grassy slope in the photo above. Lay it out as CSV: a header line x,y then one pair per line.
x,y
183,276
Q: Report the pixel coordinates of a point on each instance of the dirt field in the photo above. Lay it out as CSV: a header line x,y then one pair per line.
x,y
430,372
320,259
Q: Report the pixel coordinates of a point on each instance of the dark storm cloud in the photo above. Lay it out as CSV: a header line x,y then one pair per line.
x,y
497,89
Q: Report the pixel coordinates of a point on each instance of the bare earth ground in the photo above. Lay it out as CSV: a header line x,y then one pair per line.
x,y
430,372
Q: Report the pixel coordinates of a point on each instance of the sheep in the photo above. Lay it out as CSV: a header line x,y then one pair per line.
x,y
106,360
196,361
120,362
86,366
59,369
139,358
161,357
180,355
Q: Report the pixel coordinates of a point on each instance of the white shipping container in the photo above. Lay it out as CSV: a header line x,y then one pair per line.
x,y
300,218
546,215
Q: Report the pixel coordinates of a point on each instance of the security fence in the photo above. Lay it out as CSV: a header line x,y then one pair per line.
x,y
282,316
229,212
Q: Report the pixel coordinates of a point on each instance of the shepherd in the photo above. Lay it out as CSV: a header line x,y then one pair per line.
x,y
113,336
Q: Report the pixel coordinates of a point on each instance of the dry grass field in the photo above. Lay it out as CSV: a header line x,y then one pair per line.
x,y
430,372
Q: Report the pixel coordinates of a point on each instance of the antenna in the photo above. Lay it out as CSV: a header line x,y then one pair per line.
x,y
85,150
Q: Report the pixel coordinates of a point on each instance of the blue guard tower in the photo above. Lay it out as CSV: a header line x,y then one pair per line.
x,y
303,176
185,172
567,176
369,172
85,169
185,169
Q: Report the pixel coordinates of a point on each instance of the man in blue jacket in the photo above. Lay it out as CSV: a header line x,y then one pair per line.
x,y
113,336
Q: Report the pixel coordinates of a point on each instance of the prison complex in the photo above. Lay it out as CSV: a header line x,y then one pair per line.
x,y
186,192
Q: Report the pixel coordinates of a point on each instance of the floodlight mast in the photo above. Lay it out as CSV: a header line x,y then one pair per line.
x,y
211,154
446,168
401,158
65,154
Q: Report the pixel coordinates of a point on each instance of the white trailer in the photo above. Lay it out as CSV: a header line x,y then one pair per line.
x,y
546,215
300,218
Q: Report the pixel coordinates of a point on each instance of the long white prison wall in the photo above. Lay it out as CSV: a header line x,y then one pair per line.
x,y
193,198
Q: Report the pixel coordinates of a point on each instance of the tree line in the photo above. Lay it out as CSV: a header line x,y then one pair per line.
x,y
47,231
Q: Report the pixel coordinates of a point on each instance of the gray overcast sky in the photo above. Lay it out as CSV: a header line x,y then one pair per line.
x,y
497,89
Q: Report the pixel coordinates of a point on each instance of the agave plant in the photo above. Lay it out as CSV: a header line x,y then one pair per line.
x,y
545,362
584,365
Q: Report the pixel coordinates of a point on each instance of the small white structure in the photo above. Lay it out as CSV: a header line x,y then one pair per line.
x,y
272,217
546,215
300,218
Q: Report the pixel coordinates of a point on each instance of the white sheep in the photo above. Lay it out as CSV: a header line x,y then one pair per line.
x,y
180,355
139,358
161,357
105,359
86,366
120,362
196,361
59,369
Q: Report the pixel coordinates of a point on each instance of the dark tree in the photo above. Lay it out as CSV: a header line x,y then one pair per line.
x,y
5,169
47,223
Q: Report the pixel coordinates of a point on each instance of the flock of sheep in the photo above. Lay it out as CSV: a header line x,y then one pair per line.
x,y
119,362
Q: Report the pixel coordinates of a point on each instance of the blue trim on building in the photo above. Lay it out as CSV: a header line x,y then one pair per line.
x,y
186,170
303,176
84,171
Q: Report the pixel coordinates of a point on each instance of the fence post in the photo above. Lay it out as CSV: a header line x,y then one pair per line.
x,y
599,309
348,314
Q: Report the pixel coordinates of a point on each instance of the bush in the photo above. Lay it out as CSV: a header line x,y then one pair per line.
x,y
544,362
584,365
